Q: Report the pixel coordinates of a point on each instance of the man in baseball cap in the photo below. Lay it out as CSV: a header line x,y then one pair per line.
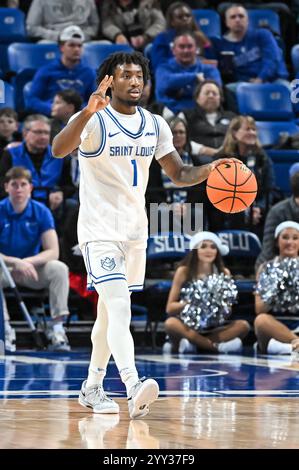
x,y
71,33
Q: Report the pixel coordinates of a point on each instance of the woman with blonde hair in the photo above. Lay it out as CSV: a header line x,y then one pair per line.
x,y
242,141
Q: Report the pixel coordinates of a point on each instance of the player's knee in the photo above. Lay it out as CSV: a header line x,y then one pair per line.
x,y
171,324
261,320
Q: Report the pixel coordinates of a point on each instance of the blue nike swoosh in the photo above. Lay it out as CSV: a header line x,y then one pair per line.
x,y
112,135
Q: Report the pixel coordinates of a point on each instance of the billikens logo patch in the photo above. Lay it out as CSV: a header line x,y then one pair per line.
x,y
108,264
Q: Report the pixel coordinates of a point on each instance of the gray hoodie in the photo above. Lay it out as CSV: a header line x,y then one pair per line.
x,y
47,18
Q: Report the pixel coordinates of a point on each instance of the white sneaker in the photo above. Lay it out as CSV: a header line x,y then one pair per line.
x,y
141,396
59,340
233,346
10,337
186,347
94,397
167,348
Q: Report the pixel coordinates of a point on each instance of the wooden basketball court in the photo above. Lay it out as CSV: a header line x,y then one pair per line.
x,y
206,402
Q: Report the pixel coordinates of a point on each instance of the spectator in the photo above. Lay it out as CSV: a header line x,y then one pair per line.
x,y
277,337
288,209
177,78
65,104
242,140
67,72
179,19
203,260
25,227
247,55
208,121
134,22
46,20
8,127
35,154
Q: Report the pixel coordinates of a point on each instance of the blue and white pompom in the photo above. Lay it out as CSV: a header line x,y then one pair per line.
x,y
209,301
278,285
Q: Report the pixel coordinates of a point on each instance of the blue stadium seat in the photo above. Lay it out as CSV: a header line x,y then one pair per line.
x,y
31,56
244,247
94,54
208,21
295,58
265,102
12,25
282,161
260,18
269,132
25,60
7,95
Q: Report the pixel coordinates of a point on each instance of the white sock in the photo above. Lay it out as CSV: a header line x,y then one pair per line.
x,y
95,376
276,347
129,377
233,346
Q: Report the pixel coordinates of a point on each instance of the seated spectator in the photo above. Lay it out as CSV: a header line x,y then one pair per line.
x,y
203,260
274,336
65,104
51,176
26,226
189,152
177,78
288,209
208,121
8,128
67,72
247,55
134,22
46,20
242,141
179,18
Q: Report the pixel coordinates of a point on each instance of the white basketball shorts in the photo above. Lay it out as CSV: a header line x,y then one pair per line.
x,y
107,261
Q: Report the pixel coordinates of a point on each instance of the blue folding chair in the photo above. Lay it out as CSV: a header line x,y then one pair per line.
x,y
269,132
94,54
265,102
12,25
7,95
269,18
295,58
25,59
208,21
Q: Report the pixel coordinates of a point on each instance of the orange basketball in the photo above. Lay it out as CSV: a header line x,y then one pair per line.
x,y
231,187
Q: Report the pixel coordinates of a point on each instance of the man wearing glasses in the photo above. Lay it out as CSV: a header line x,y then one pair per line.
x,y
51,178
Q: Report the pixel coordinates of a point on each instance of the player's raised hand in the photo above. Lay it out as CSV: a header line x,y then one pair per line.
x,y
98,100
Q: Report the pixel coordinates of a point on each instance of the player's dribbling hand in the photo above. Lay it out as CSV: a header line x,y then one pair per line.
x,y
220,161
98,100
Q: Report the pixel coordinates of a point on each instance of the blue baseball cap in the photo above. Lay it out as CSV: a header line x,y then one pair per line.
x,y
294,169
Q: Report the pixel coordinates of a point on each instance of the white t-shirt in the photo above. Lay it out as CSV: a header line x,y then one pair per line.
x,y
115,154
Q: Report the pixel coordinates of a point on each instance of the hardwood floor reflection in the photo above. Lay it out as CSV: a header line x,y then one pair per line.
x,y
174,423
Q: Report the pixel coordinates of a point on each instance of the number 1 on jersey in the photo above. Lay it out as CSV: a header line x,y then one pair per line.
x,y
134,163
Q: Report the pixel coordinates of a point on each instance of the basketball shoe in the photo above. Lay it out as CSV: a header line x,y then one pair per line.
x,y
141,395
94,397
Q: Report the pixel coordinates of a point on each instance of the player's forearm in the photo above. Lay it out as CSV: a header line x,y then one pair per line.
x,y
190,175
68,138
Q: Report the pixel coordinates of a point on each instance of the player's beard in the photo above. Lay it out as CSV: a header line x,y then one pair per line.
x,y
129,102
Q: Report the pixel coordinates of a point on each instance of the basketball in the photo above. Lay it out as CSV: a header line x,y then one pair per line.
x,y
231,187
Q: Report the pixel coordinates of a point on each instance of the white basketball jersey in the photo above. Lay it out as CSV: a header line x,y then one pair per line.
x,y
115,154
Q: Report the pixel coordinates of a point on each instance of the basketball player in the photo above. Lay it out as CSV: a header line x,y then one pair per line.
x,y
117,141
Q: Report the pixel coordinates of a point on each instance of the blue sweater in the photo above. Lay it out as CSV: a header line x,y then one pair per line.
x,y
256,56
56,77
175,83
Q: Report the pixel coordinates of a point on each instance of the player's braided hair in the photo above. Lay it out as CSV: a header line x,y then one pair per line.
x,y
120,58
